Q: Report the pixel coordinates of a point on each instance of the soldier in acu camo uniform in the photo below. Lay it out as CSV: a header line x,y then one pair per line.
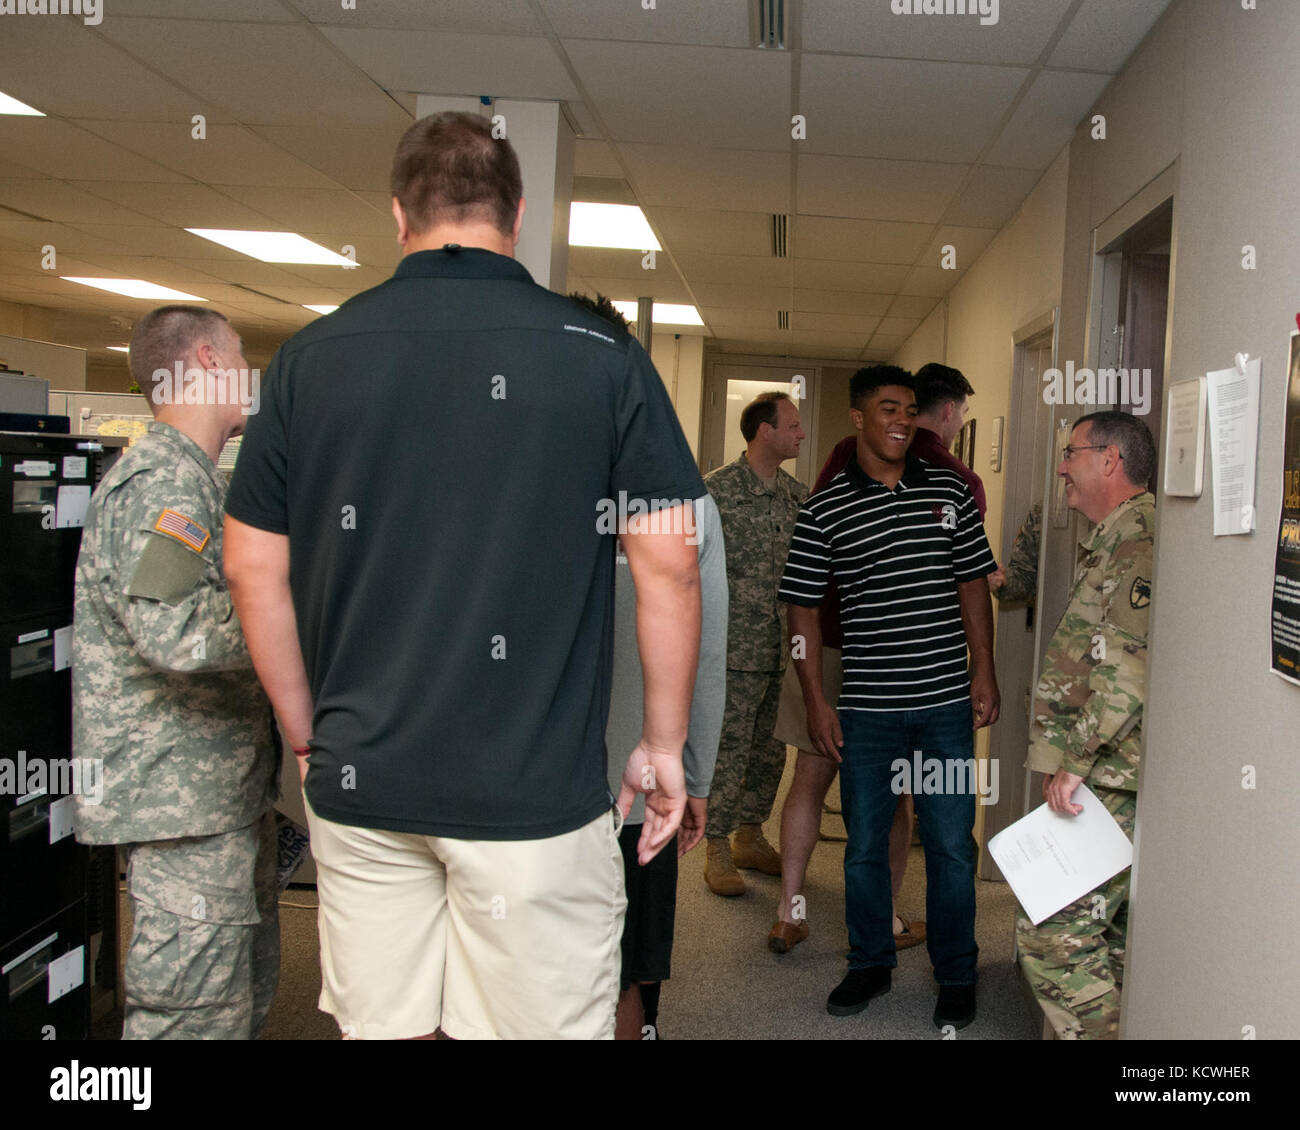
x,y
759,504
1087,724
164,695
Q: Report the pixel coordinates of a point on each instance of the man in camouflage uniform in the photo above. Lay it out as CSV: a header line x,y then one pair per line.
x,y
1087,724
165,697
759,504
1019,580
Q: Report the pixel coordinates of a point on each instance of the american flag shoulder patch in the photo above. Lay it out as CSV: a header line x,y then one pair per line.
x,y
183,529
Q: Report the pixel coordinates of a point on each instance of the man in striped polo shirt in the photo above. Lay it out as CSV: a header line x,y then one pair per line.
x,y
904,541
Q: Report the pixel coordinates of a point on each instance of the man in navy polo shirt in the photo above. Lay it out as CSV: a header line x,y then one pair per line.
x,y
904,541
419,547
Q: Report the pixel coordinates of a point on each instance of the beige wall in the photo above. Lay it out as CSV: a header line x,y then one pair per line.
x,y
680,361
62,365
1213,87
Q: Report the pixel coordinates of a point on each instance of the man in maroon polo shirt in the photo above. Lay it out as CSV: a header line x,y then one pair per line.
x,y
941,411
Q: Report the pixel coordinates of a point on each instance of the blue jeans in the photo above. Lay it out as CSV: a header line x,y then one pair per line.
x,y
872,742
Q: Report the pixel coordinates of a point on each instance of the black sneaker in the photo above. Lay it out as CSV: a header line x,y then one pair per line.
x,y
956,1006
857,989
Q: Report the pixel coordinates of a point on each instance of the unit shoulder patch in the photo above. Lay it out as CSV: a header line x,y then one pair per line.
x,y
1139,593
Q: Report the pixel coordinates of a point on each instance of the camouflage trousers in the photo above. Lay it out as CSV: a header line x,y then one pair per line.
x,y
1074,960
204,958
750,759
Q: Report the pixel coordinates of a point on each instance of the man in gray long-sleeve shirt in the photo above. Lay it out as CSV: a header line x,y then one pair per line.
x,y
652,889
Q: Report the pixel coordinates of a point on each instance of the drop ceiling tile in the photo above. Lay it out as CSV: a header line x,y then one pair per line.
x,y
261,73
240,10
1104,33
887,343
595,159
916,191
65,151
53,200
827,274
766,347
967,243
818,343
1021,31
315,209
438,62
858,325
916,307
30,237
179,205
659,286
700,267
59,66
842,302
614,263
738,321
906,110
1043,124
859,241
719,25
897,327
769,297
932,282
230,154
992,196
11,170
723,233
713,96
737,180
246,272
144,238
603,190
485,17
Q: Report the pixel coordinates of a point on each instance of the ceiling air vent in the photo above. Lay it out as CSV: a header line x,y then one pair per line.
x,y
767,21
780,223
783,319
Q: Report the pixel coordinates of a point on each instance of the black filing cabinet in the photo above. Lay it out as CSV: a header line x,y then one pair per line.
x,y
57,944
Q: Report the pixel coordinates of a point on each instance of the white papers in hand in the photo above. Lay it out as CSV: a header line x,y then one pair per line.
x,y
1050,860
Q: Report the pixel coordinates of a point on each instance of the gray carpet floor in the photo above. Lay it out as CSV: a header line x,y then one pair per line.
x,y
726,985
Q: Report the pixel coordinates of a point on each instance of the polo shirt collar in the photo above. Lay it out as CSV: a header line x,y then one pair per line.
x,y
465,263
913,474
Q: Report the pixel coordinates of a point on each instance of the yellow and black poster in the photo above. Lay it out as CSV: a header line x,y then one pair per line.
x,y
1286,571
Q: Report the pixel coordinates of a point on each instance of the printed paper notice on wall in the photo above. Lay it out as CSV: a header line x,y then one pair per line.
x,y
72,506
62,647
67,973
1233,396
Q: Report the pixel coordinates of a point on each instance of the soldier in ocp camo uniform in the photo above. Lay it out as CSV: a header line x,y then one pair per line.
x,y
1088,715
759,504
165,697
1019,581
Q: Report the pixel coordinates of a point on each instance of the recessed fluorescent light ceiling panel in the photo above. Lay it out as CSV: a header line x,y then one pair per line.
x,y
10,105
274,246
120,348
321,309
610,225
665,313
136,288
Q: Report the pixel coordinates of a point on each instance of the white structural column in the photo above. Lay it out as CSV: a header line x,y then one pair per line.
x,y
544,142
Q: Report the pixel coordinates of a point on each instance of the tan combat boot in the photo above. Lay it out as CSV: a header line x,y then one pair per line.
x,y
719,872
753,853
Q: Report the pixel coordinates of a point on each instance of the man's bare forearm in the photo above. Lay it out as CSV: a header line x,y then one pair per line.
x,y
257,572
805,623
977,619
666,571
